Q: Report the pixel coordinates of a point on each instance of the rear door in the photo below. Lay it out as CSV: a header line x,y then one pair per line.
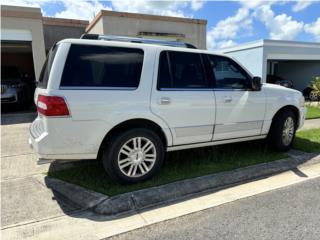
x,y
182,96
240,111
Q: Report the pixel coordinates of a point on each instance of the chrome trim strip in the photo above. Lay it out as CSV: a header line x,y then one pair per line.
x,y
186,89
97,88
191,131
219,142
232,89
239,126
205,89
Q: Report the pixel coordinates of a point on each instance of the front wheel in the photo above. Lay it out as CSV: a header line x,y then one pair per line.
x,y
283,130
133,156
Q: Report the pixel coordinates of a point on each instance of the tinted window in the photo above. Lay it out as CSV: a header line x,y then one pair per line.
x,y
100,66
46,69
181,70
228,74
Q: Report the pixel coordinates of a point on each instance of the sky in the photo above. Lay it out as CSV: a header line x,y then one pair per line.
x,y
229,22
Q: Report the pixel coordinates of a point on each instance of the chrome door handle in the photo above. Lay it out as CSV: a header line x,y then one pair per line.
x,y
227,99
165,101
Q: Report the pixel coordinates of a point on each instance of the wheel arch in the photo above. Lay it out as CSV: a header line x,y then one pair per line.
x,y
130,124
292,108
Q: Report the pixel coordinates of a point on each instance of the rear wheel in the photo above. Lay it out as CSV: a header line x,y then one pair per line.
x,y
283,130
133,156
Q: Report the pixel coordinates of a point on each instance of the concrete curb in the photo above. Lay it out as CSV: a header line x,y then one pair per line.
x,y
168,193
81,196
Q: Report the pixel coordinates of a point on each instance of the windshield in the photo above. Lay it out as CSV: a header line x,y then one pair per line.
x,y
45,72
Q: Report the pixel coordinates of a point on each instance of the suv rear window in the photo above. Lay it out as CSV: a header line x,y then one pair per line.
x,y
102,66
45,72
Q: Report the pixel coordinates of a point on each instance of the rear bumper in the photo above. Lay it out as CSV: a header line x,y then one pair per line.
x,y
49,147
37,145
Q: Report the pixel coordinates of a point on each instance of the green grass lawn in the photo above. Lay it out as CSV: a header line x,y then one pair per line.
x,y
313,112
178,165
308,140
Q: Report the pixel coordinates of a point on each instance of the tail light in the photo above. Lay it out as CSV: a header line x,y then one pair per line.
x,y
52,106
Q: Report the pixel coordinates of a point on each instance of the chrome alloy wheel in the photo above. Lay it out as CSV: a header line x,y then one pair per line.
x,y
288,131
137,157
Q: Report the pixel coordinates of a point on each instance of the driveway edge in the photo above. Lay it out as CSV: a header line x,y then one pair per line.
x,y
172,192
83,197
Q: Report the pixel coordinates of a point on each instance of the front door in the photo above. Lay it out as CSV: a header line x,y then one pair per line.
x,y
240,111
183,97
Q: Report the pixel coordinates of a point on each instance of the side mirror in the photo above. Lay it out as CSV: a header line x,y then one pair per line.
x,y
256,83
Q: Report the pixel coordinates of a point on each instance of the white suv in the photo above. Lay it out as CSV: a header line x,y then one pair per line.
x,y
128,103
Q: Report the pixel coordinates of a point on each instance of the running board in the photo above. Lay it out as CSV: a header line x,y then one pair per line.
x,y
218,142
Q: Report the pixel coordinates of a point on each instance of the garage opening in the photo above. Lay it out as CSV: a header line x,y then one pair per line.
x,y
295,74
17,75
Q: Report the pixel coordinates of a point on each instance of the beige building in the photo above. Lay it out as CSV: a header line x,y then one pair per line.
x,y
150,26
26,36
55,29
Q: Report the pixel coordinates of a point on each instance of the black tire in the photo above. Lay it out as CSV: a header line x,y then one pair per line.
x,y
112,150
275,139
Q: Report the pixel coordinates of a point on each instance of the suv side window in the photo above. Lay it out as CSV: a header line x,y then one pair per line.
x,y
228,74
102,66
181,70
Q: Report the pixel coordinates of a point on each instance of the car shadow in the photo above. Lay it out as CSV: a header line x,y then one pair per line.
x,y
298,159
306,144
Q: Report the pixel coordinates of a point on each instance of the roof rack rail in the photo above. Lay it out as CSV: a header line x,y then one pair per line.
x,y
137,40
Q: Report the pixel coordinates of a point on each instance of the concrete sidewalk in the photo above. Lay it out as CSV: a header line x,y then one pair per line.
x,y
311,123
24,196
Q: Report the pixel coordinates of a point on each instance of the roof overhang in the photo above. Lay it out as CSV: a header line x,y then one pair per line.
x,y
273,43
64,22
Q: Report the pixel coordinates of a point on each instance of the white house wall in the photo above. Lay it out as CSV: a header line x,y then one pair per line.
x,y
251,59
255,56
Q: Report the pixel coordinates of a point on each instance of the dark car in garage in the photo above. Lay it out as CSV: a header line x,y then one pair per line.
x,y
16,88
279,81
